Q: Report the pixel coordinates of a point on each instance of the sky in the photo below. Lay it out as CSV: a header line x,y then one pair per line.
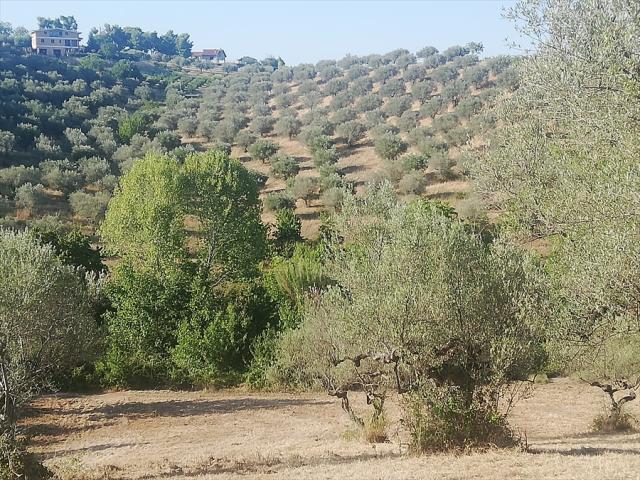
x,y
302,31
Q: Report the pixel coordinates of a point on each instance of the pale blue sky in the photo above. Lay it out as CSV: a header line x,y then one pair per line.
x,y
298,31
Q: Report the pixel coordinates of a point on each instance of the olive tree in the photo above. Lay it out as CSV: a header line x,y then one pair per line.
x,y
263,150
390,146
423,307
351,132
47,327
565,167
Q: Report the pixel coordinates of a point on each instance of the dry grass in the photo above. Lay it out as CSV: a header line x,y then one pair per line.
x,y
235,434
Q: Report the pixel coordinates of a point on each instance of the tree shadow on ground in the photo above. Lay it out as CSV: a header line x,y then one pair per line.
x,y
180,408
585,451
220,466
91,449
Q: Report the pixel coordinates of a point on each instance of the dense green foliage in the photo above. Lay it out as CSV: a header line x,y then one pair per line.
x,y
47,327
422,306
184,308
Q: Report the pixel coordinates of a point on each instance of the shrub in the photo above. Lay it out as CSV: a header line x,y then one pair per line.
x,y
287,232
411,183
413,161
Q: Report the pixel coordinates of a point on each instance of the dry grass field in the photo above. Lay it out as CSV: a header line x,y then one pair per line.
x,y
239,434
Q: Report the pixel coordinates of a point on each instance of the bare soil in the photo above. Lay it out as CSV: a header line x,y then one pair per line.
x,y
238,434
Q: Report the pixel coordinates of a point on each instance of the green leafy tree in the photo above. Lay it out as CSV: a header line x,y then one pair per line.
x,y
287,232
133,124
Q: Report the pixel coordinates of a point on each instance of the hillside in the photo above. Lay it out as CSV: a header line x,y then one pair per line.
x,y
70,129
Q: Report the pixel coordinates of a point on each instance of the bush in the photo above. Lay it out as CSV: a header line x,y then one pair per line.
x,y
411,183
450,424
413,161
287,232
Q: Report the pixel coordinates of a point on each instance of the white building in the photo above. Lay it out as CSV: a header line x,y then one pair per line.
x,y
55,42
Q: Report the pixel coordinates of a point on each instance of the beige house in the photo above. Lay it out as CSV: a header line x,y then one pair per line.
x,y
216,55
55,42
